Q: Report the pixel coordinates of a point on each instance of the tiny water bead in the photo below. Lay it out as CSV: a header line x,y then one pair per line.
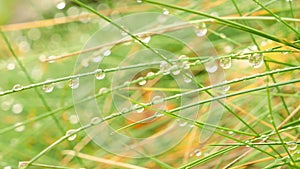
x,y
17,87
7,167
166,11
107,52
19,127
201,30
73,83
211,68
95,120
157,100
164,67
181,123
187,79
138,108
74,119
225,62
139,1
175,70
100,74
48,88
256,60
102,90
17,108
71,134
11,66
146,39
142,81
158,114
197,153
61,5
292,145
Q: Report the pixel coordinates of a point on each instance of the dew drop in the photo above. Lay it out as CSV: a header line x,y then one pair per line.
x,y
48,88
102,90
175,70
95,120
142,81
17,87
107,52
256,60
157,114
197,153
230,132
225,62
264,137
187,79
157,100
211,68
61,5
19,127
17,108
138,108
201,30
71,135
291,145
150,75
146,39
166,11
100,74
181,123
73,83
7,167
11,66
222,35
73,119
139,1
164,67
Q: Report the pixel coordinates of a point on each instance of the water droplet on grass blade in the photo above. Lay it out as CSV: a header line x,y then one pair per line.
x,y
100,74
95,120
157,100
71,135
256,60
166,11
102,90
19,127
17,87
201,30
17,108
146,39
48,88
61,5
225,62
139,1
292,145
138,108
197,153
73,83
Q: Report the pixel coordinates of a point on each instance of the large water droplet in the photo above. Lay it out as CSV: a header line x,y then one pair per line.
x,y
225,62
138,108
292,145
71,135
100,74
17,108
73,83
256,60
48,88
17,87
